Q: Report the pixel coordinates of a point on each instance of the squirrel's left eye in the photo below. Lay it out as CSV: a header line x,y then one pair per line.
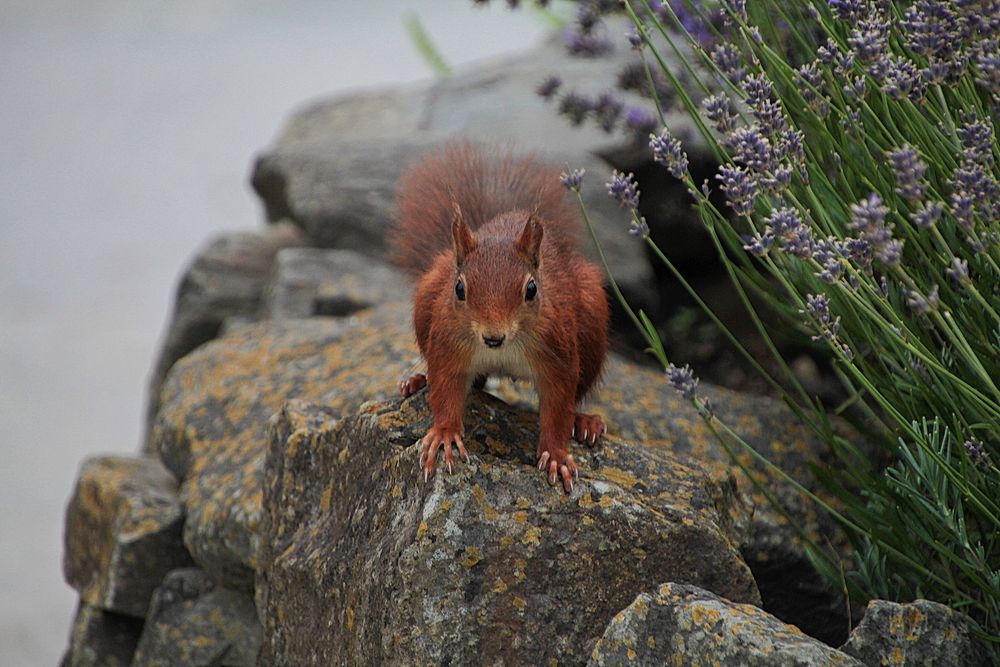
x,y
530,290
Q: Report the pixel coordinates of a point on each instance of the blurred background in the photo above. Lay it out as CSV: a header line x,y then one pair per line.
x,y
127,132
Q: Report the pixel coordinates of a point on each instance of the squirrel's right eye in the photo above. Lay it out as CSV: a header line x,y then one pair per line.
x,y
460,290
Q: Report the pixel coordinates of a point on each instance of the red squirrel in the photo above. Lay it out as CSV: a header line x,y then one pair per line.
x,y
502,289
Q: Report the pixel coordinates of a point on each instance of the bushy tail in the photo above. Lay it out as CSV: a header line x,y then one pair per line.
x,y
485,182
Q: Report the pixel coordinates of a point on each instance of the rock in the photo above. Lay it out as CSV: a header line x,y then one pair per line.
x,y
334,168
917,633
211,429
123,533
364,563
308,282
224,281
210,432
101,638
681,624
194,624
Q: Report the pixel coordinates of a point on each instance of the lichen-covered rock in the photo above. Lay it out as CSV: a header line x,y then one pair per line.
x,y
365,563
634,401
123,532
308,282
224,281
211,429
917,633
194,624
101,638
684,625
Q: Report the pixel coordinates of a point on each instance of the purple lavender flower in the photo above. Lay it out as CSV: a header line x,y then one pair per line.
x,y
750,148
633,77
921,304
641,122
928,214
829,254
758,244
909,170
870,38
988,68
638,227
758,89
770,116
900,78
607,109
959,271
572,180
818,307
868,216
586,44
977,452
963,209
624,190
718,110
668,152
977,139
849,10
575,107
729,61
812,88
635,38
737,8
548,87
740,188
683,380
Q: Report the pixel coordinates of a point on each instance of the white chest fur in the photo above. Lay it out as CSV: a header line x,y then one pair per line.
x,y
507,360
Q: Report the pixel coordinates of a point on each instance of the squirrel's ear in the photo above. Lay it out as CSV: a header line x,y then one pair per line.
x,y
530,242
461,235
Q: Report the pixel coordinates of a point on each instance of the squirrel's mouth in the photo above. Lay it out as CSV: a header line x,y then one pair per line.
x,y
494,341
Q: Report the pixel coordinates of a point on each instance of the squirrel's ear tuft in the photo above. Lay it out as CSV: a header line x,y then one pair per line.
x,y
462,239
530,242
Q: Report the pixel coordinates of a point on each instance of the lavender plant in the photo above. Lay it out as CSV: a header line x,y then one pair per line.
x,y
858,162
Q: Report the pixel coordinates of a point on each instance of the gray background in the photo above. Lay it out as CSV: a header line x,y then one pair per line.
x,y
127,132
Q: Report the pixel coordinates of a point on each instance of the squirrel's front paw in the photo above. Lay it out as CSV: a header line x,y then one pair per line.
x,y
412,385
436,438
559,464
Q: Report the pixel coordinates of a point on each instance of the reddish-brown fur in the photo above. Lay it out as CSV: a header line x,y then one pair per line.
x,y
495,222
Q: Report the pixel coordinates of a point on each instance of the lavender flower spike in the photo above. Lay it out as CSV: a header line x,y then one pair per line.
x,y
572,180
739,187
977,453
624,190
683,380
667,151
909,170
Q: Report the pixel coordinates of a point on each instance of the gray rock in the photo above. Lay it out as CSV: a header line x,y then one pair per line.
x,y
684,625
101,638
308,282
224,281
917,633
194,624
123,532
334,169
364,563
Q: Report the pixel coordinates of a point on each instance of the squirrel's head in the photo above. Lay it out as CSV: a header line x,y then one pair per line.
x,y
498,289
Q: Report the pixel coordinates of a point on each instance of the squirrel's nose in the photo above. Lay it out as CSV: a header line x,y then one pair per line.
x,y
493,341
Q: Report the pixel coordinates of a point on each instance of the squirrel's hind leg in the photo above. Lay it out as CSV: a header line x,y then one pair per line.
x,y
588,429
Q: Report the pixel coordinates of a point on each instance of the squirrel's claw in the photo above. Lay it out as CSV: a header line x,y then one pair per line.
x,y
438,438
588,429
412,385
559,466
